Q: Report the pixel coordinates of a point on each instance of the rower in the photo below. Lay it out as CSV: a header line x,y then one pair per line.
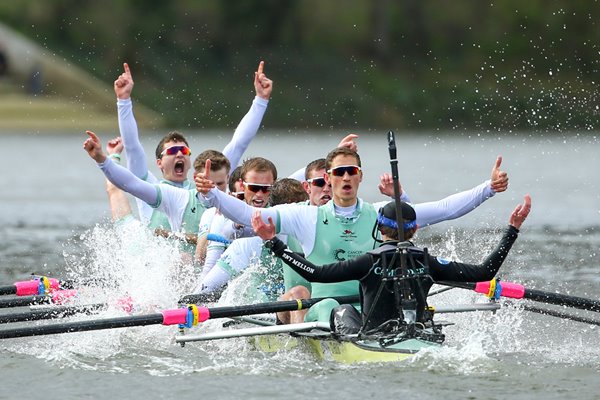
x,y
386,284
340,229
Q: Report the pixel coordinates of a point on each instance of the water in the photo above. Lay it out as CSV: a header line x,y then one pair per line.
x,y
54,220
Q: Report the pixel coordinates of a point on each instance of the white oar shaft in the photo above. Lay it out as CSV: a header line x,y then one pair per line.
x,y
467,308
264,330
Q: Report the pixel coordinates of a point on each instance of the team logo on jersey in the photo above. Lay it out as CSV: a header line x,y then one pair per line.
x,y
348,235
338,254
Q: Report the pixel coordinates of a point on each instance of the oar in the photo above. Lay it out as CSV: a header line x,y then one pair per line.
x,y
263,330
186,316
55,297
516,291
559,314
50,313
38,285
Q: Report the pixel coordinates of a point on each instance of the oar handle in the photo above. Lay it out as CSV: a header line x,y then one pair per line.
x,y
38,285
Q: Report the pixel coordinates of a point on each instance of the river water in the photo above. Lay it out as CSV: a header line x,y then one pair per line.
x,y
54,220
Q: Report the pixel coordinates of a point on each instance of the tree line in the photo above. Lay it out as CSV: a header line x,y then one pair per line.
x,y
339,64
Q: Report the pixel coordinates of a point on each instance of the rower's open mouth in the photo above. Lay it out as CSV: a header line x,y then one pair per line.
x,y
179,165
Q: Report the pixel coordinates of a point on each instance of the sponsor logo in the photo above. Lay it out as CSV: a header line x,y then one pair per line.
x,y
348,235
338,254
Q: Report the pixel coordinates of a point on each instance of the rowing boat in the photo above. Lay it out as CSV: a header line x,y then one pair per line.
x,y
349,350
318,338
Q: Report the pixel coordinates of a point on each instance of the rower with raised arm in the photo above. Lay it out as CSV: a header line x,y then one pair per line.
x,y
381,305
172,152
337,231
257,177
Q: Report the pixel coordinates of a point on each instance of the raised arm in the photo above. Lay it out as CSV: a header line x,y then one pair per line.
x,y
118,201
119,176
136,156
459,204
488,268
248,126
386,187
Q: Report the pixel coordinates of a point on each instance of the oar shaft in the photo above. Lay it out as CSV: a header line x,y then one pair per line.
x,y
49,313
167,317
517,291
24,301
81,326
272,307
562,300
559,314
8,289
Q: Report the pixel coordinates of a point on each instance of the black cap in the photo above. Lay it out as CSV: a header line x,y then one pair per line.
x,y
388,212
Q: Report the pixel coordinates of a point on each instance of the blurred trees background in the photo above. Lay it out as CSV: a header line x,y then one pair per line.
x,y
338,64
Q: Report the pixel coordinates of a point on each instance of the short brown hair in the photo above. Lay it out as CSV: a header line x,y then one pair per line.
x,y
393,233
218,161
315,165
170,137
287,190
341,151
258,164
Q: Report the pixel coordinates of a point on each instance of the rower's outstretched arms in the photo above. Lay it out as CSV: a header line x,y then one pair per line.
x,y
499,178
136,156
386,187
118,201
262,85
349,141
266,231
459,204
250,123
123,85
94,148
119,176
520,213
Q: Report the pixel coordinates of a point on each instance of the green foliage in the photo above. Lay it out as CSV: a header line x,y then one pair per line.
x,y
338,64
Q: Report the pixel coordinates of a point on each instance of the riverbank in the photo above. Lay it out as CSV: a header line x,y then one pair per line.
x,y
40,91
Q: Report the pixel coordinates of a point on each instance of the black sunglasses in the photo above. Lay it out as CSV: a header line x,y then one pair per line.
x,y
319,182
342,169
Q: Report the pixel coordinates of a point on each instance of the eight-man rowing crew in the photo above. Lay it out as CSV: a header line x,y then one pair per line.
x,y
324,233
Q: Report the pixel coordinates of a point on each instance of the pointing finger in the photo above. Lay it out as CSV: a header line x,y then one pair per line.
x,y
261,66
498,162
